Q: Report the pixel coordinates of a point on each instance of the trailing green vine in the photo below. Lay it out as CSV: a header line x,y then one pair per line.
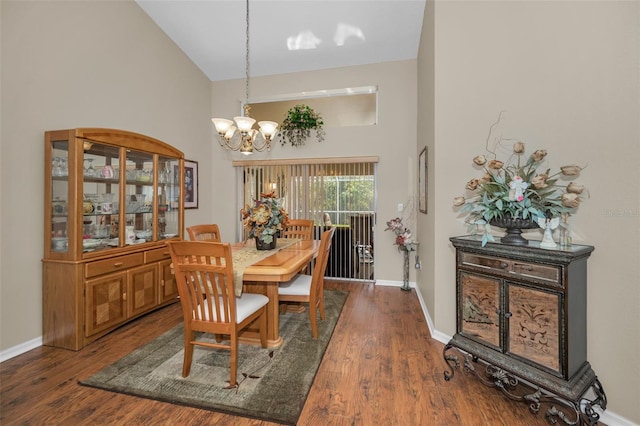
x,y
298,124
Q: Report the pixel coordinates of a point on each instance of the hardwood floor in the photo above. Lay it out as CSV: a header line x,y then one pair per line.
x,y
381,368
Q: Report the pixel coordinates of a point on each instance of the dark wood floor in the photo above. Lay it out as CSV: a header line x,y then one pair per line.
x,y
381,368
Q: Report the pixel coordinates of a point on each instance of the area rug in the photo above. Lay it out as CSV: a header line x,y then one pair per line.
x,y
273,383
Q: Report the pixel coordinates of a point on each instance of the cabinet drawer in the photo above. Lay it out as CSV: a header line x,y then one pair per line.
x,y
156,255
115,264
541,272
513,268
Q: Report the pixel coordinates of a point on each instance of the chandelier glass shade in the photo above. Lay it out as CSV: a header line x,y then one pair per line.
x,y
239,134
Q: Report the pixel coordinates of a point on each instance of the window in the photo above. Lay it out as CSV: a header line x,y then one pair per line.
x,y
356,106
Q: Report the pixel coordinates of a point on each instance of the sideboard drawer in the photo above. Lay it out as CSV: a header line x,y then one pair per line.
x,y
114,264
156,255
541,272
511,267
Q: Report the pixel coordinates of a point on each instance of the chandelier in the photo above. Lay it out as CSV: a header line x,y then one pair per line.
x,y
246,139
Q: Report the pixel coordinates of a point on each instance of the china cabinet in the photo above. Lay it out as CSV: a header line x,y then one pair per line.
x,y
112,199
522,326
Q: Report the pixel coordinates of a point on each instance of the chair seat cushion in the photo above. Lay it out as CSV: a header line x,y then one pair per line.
x,y
299,286
246,305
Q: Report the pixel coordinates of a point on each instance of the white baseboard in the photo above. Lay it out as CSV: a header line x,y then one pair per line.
x,y
20,349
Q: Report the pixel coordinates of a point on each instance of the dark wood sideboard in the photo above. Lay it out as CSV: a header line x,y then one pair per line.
x,y
521,326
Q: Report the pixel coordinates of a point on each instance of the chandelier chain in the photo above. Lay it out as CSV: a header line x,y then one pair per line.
x,y
247,139
247,59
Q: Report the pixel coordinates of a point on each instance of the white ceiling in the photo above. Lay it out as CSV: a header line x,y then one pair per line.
x,y
345,33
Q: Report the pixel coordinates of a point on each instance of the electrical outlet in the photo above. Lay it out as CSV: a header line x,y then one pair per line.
x,y
400,207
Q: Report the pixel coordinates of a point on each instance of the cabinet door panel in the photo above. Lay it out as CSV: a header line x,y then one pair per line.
x,y
168,284
105,304
143,289
480,301
534,325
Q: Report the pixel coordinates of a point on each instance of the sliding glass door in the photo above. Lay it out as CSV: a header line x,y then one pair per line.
x,y
332,192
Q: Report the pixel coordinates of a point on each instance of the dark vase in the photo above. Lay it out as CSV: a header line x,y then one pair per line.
x,y
261,245
514,227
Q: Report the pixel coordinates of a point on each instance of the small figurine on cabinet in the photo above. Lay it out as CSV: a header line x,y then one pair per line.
x,y
548,225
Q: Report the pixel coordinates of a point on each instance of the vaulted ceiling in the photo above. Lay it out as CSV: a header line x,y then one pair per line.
x,y
289,36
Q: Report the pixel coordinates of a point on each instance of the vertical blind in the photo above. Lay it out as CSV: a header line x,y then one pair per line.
x,y
332,192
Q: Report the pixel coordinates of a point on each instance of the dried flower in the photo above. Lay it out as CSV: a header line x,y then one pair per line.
x,y
571,170
485,178
480,160
570,200
575,188
473,184
458,201
540,181
538,155
495,164
518,147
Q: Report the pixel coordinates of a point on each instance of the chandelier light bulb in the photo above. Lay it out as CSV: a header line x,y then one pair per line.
x,y
222,125
268,129
244,123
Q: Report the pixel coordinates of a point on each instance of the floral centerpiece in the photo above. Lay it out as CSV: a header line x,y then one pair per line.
x,y
517,193
265,219
403,240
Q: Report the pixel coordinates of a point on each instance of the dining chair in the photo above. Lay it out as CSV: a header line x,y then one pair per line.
x,y
204,273
206,232
299,228
310,288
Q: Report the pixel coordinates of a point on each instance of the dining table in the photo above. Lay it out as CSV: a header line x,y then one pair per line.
x,y
264,276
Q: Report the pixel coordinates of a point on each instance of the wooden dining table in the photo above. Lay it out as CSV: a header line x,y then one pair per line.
x,y
264,276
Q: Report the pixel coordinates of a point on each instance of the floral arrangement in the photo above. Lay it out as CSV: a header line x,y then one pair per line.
x,y
403,235
518,188
265,218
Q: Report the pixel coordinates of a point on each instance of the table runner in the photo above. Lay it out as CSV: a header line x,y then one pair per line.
x,y
246,256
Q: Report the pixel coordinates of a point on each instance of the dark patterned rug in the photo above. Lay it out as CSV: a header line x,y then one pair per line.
x,y
273,383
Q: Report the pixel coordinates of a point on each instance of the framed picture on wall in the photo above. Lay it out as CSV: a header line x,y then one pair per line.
x,y
190,184
422,180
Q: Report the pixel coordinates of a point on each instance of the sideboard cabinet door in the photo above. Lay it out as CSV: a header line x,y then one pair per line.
x,y
535,322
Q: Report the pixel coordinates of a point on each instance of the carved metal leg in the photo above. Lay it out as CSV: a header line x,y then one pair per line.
x,y
452,362
589,414
569,412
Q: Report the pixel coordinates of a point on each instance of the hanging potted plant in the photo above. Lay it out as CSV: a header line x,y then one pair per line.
x,y
298,123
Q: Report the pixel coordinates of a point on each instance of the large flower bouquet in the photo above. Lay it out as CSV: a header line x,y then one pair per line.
x,y
403,240
518,188
265,218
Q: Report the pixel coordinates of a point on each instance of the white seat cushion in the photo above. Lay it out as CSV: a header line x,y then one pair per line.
x,y
299,286
246,304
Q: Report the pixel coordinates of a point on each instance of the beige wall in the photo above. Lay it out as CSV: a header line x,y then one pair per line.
x,y
426,133
567,75
393,140
81,64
